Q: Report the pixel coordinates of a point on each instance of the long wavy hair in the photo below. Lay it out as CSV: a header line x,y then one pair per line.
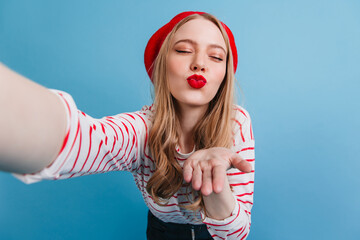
x,y
214,129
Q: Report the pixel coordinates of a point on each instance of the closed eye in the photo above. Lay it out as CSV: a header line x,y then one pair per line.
x,y
182,51
217,58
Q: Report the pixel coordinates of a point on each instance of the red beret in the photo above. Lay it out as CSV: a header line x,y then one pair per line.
x,y
153,46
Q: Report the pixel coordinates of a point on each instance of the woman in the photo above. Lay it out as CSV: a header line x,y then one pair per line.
x,y
180,150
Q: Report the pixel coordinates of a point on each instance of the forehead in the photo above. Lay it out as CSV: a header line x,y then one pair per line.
x,y
201,31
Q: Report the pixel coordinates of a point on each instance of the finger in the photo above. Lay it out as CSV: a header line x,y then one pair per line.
x,y
206,188
188,172
219,174
196,178
240,163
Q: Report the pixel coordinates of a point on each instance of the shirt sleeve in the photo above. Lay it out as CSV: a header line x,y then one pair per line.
x,y
237,226
94,145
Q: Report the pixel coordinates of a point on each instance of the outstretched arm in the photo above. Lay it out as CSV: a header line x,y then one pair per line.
x,y
32,124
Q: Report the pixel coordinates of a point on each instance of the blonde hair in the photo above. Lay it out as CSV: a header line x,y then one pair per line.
x,y
213,130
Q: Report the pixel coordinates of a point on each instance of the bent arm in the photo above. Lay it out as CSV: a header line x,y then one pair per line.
x,y
237,224
33,124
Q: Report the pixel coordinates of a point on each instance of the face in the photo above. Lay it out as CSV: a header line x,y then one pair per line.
x,y
197,52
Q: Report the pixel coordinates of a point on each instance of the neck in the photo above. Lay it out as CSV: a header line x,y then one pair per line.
x,y
189,116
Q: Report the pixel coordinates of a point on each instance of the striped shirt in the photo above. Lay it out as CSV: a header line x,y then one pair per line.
x,y
120,143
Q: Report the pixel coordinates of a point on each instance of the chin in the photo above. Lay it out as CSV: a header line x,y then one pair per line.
x,y
194,103
192,99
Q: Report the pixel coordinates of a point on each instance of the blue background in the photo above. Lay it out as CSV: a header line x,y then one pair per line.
x,y
300,77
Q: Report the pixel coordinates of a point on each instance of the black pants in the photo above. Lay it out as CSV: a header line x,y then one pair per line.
x,y
159,230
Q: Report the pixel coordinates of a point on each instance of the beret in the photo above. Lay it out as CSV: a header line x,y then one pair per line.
x,y
154,44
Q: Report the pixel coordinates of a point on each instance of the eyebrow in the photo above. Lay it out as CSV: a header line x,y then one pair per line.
x,y
195,43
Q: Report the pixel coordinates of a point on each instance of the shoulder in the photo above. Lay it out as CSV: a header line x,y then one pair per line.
x,y
144,117
147,112
241,115
138,120
242,128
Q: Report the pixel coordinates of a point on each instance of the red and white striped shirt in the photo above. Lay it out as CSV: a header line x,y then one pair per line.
x,y
120,143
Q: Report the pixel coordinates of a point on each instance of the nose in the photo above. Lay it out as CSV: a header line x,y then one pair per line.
x,y
198,64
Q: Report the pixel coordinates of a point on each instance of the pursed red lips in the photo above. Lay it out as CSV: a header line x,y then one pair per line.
x,y
196,81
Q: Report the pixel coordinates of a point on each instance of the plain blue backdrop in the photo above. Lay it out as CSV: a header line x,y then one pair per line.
x,y
299,71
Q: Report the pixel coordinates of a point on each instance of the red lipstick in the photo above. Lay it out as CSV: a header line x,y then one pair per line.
x,y
196,81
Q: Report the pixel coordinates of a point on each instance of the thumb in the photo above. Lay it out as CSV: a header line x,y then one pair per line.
x,y
241,164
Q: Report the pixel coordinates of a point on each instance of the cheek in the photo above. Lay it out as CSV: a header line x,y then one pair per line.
x,y
173,74
174,65
170,66
219,74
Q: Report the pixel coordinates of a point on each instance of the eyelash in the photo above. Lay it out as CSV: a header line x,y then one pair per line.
x,y
216,58
180,51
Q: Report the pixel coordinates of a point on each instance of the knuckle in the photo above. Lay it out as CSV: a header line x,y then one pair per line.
x,y
213,161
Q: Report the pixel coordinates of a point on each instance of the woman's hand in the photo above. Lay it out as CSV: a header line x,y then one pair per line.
x,y
206,168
